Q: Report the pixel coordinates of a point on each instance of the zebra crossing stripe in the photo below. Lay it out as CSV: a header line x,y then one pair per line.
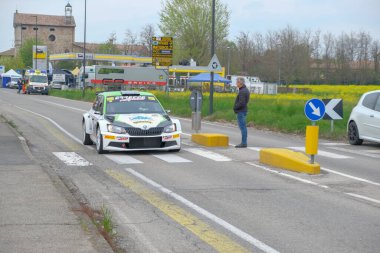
x,y
171,158
208,154
72,159
123,159
323,153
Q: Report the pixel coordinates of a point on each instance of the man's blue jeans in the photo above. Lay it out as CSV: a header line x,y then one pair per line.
x,y
241,118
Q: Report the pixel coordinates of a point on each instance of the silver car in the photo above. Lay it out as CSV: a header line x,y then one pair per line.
x,y
364,121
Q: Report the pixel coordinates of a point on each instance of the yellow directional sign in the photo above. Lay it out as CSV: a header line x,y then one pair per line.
x,y
162,51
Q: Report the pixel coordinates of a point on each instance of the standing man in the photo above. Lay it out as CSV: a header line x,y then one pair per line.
x,y
240,108
19,86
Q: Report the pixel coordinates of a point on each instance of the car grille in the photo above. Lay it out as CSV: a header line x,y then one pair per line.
x,y
132,131
154,142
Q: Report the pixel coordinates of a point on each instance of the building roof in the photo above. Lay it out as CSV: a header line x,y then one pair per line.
x,y
93,47
48,20
9,52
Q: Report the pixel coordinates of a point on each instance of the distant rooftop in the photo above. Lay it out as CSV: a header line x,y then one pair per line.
x,y
30,19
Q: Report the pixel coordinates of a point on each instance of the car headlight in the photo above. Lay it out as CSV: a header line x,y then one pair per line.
x,y
116,129
170,128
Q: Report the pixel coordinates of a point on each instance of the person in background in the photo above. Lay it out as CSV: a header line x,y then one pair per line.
x,y
19,86
240,108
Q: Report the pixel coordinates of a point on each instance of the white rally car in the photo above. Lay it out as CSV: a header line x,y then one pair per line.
x,y
130,121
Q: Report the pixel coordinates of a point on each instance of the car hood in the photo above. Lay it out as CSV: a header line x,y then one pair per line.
x,y
144,121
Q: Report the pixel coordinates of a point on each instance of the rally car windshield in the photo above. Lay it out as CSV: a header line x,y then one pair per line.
x,y
133,104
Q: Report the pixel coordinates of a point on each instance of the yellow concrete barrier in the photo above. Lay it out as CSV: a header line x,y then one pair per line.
x,y
288,160
210,140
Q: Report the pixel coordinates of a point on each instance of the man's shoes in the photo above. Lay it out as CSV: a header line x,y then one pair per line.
x,y
241,145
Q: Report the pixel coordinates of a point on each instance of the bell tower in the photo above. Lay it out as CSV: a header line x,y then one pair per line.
x,y
68,13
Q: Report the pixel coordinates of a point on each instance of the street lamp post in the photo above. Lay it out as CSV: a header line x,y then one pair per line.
x,y
84,49
35,56
279,63
211,108
228,60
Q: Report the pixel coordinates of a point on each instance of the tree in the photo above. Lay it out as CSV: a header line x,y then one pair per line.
x,y
146,35
129,42
189,22
12,62
26,51
109,47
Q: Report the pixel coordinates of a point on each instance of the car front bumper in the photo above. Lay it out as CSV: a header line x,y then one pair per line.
x,y
125,142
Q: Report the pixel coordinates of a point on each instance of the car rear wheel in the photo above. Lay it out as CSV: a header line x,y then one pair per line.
x,y
99,142
86,137
353,134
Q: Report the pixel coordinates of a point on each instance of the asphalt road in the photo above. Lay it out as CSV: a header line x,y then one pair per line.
x,y
211,199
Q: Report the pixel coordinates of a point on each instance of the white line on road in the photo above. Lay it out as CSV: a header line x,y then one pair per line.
x,y
287,175
208,154
243,235
72,159
352,177
123,159
356,152
54,123
363,197
334,144
170,158
65,106
323,153
255,148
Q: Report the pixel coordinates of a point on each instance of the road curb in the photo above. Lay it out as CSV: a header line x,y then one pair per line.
x,y
288,160
210,139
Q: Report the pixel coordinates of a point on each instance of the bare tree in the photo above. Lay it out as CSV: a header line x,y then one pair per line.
x,y
146,35
129,42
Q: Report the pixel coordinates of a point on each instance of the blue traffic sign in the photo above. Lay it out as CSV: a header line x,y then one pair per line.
x,y
314,109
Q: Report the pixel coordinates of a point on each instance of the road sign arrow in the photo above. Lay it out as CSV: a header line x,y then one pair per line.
x,y
334,109
316,111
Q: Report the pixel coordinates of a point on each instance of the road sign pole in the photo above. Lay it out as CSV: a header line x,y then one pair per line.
x,y
332,125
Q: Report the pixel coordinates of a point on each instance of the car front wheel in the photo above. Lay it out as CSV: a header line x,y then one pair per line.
x,y
99,142
86,137
353,134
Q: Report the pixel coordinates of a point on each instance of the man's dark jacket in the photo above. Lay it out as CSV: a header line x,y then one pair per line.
x,y
241,100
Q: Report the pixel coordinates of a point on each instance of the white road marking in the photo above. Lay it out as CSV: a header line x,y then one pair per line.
x,y
72,159
287,175
65,106
255,148
243,235
21,138
373,151
54,123
123,159
363,197
170,158
356,152
334,144
323,153
352,177
208,154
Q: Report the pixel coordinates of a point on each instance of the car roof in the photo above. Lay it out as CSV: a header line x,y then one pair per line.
x,y
125,93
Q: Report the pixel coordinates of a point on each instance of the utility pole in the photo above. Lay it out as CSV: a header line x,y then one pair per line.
x,y
211,108
84,50
35,56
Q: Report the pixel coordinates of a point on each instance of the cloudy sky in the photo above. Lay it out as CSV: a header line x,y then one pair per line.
x,y
107,16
